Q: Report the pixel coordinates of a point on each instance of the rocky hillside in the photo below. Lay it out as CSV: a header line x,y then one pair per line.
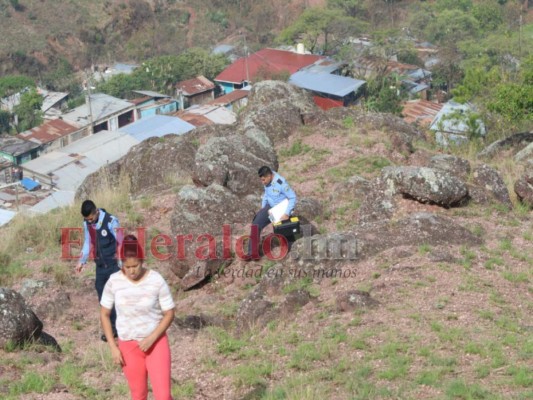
x,y
415,283
37,34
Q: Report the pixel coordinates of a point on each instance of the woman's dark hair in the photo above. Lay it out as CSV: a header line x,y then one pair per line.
x,y
264,171
131,248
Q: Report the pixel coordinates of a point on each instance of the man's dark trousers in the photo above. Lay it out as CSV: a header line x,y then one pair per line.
x,y
261,220
102,275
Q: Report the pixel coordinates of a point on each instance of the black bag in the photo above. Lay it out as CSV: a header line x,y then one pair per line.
x,y
288,228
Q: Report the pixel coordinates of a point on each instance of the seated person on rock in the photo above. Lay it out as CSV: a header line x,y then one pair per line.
x,y
276,191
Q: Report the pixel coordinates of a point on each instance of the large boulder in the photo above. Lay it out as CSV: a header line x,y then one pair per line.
x,y
426,185
512,144
233,162
491,181
523,188
18,323
414,230
152,165
203,213
206,210
276,108
379,203
456,166
525,154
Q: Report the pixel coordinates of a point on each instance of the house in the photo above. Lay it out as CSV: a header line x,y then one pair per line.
x,y
16,150
52,134
207,114
415,80
456,123
104,72
53,102
153,103
199,90
69,166
232,101
157,126
264,64
420,112
342,89
105,112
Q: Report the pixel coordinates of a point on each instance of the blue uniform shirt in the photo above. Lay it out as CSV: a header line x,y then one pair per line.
x,y
111,227
277,191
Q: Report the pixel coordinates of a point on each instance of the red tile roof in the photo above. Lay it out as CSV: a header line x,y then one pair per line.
x,y
265,61
196,85
420,111
48,132
230,97
326,104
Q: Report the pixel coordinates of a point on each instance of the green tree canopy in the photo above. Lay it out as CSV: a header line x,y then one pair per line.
x,y
162,73
12,84
322,29
29,110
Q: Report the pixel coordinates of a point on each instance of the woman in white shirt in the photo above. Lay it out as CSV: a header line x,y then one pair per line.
x,y
145,310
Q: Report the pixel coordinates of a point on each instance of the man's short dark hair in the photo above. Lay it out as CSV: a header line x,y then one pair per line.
x,y
264,171
87,208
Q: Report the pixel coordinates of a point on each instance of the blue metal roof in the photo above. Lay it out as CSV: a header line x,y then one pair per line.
x,y
157,125
326,83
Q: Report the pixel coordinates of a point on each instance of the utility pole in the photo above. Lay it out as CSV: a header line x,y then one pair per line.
x,y
91,127
246,60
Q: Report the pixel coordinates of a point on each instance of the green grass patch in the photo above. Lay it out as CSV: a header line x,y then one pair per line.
x,y
32,382
459,389
296,149
251,374
366,166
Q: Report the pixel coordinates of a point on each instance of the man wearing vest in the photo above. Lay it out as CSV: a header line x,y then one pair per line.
x,y
276,190
102,237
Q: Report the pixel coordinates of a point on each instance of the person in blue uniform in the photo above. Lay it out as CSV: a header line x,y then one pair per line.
x,y
276,190
101,240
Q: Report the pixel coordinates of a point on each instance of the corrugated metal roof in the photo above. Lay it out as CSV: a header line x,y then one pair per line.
x,y
420,111
196,85
223,49
16,146
454,125
216,114
149,93
59,198
230,97
265,61
320,82
196,120
6,216
70,165
157,125
50,98
102,106
326,65
48,131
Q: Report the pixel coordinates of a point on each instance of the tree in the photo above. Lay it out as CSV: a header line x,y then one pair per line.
x,y
12,84
312,26
121,85
5,118
489,14
383,95
352,8
29,110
